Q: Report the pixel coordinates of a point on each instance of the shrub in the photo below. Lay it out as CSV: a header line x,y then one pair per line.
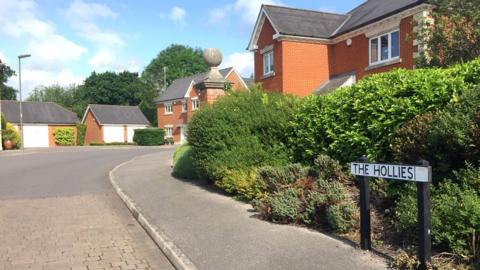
x,y
183,163
362,119
455,214
284,206
11,133
241,131
149,136
341,217
275,178
242,184
81,131
447,138
313,196
64,136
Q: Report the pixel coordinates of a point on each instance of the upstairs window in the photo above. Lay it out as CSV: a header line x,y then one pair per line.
x,y
184,106
195,104
168,108
268,63
385,47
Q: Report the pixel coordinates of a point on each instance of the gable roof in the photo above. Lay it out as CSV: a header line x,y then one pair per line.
x,y
324,25
37,113
305,23
117,115
179,88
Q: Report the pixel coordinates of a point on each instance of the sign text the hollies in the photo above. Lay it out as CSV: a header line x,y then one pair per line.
x,y
392,171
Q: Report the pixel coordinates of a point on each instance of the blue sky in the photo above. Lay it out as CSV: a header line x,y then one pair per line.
x,y
68,39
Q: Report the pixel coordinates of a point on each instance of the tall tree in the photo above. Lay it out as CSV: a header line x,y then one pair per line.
x,y
6,92
180,61
452,34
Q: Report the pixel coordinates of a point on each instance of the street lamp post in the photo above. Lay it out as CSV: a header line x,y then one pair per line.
x,y
20,57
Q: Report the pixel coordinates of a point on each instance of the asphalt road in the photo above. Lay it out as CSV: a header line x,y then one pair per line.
x,y
58,210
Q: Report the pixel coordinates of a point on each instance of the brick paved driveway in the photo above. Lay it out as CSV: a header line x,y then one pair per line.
x,y
70,229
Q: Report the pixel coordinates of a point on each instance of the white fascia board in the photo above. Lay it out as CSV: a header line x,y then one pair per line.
x,y
262,15
187,95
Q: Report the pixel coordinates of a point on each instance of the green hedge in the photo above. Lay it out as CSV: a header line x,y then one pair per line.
x,y
64,136
183,163
81,131
363,118
241,131
149,136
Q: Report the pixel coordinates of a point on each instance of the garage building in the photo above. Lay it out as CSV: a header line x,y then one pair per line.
x,y
40,119
112,123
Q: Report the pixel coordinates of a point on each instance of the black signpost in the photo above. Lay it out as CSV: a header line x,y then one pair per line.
x,y
421,174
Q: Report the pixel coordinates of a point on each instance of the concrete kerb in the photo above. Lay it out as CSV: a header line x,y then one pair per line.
x,y
173,253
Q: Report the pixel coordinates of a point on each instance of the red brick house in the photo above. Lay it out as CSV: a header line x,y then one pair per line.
x,y
181,99
303,51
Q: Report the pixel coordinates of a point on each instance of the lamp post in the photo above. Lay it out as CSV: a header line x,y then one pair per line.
x,y
20,57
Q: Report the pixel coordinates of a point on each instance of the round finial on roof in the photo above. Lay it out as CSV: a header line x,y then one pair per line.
x,y
213,57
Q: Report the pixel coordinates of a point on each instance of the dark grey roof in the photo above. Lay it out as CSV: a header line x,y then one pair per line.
x,y
375,10
118,115
37,113
179,88
305,23
310,23
334,82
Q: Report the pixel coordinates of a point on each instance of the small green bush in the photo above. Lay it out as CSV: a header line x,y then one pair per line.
x,y
275,178
284,205
241,131
81,131
11,133
183,163
64,136
242,184
455,214
149,136
341,217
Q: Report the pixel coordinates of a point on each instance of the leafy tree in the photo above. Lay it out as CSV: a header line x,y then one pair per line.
x,y
54,93
453,33
181,61
6,92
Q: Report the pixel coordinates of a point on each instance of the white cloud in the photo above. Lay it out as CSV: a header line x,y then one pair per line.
x,y
51,52
83,16
242,62
177,15
246,9
106,61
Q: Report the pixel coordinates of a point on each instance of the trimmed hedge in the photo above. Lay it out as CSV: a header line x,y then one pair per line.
x,y
149,136
64,136
81,131
363,118
241,131
183,163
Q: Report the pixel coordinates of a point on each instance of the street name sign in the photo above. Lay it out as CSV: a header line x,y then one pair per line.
x,y
392,171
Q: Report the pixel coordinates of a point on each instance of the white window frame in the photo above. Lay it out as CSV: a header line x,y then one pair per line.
x,y
168,108
195,104
184,106
169,131
268,63
379,48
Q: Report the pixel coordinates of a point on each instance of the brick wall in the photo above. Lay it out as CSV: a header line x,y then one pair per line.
x,y
94,131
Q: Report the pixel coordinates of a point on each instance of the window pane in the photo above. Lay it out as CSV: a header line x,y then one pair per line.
x,y
384,47
271,62
395,44
373,50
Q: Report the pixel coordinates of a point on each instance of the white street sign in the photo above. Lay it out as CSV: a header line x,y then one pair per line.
x,y
392,171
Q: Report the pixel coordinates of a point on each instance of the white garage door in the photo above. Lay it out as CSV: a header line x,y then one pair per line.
x,y
113,134
131,131
35,136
